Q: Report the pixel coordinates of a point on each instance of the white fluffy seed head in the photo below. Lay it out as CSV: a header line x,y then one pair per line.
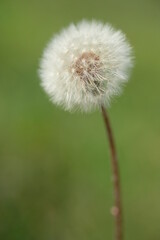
x,y
85,65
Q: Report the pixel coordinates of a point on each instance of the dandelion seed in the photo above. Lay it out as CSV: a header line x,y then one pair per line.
x,y
85,65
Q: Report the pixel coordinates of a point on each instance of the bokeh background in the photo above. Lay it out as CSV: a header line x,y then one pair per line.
x,y
55,180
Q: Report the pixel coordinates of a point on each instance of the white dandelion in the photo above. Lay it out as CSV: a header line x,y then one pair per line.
x,y
85,65
83,68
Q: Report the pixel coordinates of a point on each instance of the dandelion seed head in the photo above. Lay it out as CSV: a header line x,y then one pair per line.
x,y
85,65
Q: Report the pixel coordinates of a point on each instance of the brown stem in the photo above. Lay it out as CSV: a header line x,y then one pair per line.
x,y
117,209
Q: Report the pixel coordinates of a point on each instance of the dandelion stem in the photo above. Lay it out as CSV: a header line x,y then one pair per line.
x,y
117,209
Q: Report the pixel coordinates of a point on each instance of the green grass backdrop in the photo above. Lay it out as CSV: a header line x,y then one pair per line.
x,y
55,181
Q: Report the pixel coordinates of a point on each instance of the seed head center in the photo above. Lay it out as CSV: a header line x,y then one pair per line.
x,y
86,65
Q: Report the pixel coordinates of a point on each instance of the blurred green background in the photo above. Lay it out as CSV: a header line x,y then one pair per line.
x,y
55,180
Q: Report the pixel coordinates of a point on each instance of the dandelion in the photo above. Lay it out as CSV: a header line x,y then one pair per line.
x,y
83,67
